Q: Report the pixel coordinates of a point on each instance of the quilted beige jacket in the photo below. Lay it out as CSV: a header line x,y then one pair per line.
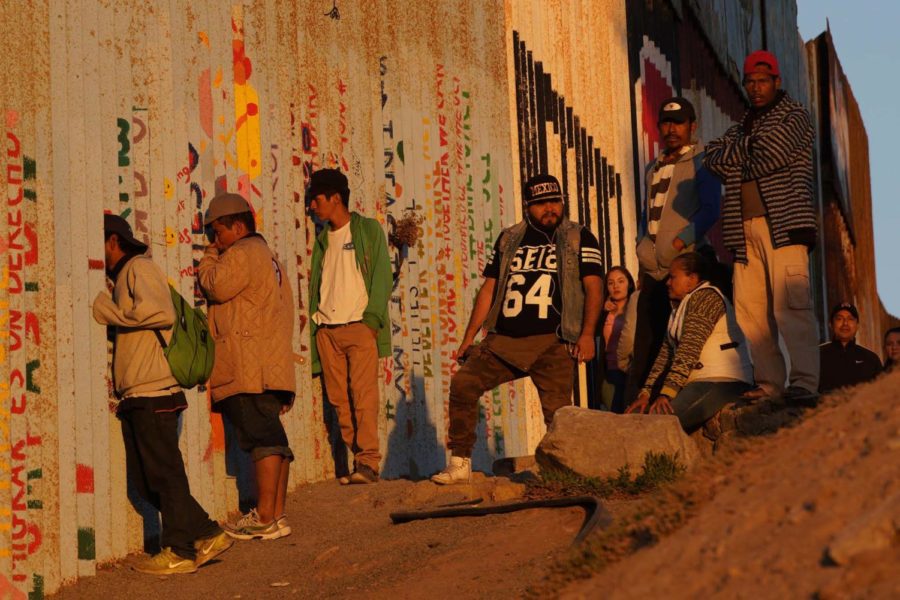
x,y
251,316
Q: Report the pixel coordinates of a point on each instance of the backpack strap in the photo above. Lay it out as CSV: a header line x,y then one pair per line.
x,y
162,341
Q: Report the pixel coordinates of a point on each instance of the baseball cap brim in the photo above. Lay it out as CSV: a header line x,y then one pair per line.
x,y
119,226
225,205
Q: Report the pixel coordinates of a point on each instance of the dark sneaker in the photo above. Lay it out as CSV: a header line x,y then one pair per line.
x,y
799,396
249,527
364,474
210,547
165,562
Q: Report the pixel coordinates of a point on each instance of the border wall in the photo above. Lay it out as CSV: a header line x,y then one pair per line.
x,y
439,109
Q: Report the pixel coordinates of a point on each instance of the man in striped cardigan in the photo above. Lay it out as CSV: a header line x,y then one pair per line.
x,y
769,222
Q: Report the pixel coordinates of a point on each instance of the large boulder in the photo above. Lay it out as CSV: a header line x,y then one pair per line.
x,y
597,444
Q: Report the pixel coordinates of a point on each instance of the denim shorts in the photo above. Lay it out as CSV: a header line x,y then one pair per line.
x,y
257,423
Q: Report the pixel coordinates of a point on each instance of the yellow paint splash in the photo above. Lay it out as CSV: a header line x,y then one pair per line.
x,y
171,238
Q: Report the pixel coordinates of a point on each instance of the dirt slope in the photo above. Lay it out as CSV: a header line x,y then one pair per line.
x,y
777,509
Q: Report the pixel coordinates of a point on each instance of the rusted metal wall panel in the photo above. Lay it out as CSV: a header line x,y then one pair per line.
x,y
846,197
734,28
28,433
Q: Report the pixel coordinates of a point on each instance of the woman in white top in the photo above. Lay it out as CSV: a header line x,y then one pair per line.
x,y
704,363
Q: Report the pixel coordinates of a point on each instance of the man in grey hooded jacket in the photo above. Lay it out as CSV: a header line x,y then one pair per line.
x,y
682,204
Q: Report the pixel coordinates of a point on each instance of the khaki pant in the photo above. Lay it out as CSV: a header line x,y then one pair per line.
x,y
771,295
543,357
349,356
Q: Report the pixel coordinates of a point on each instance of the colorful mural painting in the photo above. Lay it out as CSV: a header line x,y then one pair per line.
x,y
147,109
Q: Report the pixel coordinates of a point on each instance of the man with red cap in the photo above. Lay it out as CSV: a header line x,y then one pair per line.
x,y
769,223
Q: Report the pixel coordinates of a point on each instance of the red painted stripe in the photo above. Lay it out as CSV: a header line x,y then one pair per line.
x,y
96,264
84,479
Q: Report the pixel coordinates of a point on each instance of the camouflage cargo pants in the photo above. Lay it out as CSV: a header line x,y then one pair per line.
x,y
499,359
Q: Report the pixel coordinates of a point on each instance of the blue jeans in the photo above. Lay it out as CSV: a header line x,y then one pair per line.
x,y
699,401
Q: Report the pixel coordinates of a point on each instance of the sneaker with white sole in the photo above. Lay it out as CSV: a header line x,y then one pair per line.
x,y
249,527
165,562
210,547
284,528
364,474
458,471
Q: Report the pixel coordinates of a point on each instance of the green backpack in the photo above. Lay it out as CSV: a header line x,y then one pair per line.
x,y
191,351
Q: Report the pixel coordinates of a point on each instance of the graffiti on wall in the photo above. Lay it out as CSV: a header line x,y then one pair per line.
x,y
544,113
21,473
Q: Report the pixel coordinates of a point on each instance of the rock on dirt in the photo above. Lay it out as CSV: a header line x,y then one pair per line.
x,y
597,444
481,487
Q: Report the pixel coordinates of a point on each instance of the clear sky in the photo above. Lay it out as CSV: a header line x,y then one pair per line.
x,y
866,39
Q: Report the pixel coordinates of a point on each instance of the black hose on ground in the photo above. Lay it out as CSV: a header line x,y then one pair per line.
x,y
595,514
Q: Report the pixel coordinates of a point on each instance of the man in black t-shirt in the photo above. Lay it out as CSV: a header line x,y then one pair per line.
x,y
539,303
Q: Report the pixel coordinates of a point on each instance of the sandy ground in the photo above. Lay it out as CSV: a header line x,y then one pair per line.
x,y
344,545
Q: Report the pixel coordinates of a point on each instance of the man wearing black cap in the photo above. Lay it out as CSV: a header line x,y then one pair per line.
x,y
770,224
349,288
251,317
150,400
842,361
539,303
682,203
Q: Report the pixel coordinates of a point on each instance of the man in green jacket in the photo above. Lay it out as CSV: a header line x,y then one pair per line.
x,y
349,289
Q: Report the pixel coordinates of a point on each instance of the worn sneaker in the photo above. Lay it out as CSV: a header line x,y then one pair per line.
x,y
364,474
458,471
249,527
756,394
344,480
284,528
165,562
800,396
210,547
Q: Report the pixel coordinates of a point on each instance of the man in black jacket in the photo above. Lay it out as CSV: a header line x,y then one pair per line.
x,y
842,361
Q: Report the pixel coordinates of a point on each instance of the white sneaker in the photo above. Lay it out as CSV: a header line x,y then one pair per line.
x,y
284,528
458,471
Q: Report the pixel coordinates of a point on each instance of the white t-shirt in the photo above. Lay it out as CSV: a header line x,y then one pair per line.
x,y
342,292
